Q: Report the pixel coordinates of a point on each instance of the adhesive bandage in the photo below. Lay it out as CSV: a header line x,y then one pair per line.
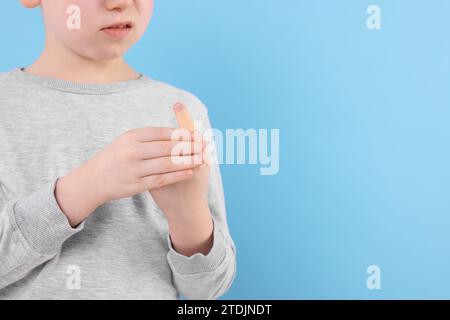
x,y
183,118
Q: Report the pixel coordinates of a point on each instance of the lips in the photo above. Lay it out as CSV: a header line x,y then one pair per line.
x,y
118,30
120,25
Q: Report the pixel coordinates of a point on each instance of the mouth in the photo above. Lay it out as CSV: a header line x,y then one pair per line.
x,y
120,25
118,30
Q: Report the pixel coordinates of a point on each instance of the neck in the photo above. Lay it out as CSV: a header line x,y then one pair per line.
x,y
61,63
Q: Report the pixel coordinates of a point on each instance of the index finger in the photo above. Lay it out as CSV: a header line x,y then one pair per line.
x,y
183,118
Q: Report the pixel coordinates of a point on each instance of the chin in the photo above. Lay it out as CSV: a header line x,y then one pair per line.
x,y
107,53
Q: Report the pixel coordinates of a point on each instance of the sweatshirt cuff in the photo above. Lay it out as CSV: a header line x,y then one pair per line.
x,y
199,262
41,221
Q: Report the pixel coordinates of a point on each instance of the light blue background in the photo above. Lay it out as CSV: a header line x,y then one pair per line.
x,y
364,124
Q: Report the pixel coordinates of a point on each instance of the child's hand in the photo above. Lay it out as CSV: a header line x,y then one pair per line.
x,y
138,160
185,203
141,159
180,201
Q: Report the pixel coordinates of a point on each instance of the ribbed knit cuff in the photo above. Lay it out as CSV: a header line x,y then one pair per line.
x,y
199,262
41,221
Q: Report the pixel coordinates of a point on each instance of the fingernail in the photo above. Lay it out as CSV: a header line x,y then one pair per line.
x,y
178,107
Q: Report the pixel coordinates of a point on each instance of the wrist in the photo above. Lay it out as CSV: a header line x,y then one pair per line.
x,y
193,236
77,196
188,214
188,247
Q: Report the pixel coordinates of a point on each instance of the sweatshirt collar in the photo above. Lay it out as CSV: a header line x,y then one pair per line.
x,y
78,87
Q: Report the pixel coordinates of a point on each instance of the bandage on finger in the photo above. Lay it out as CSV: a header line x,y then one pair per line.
x,y
183,118
185,122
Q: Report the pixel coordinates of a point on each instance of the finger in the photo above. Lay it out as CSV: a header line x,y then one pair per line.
x,y
181,134
168,164
147,134
197,136
183,118
158,149
207,151
159,180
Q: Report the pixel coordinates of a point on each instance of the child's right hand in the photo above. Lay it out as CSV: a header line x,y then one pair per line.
x,y
139,160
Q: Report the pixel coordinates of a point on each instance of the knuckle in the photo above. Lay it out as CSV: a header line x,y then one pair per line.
x,y
159,132
129,133
135,171
174,148
129,153
160,180
169,163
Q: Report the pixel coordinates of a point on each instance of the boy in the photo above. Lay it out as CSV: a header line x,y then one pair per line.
x,y
93,205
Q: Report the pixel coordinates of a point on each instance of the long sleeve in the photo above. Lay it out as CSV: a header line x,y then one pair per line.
x,y
207,276
32,231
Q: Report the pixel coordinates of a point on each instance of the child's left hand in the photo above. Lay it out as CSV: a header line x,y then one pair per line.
x,y
181,201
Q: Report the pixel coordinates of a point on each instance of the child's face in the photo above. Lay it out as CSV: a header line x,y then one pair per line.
x,y
90,40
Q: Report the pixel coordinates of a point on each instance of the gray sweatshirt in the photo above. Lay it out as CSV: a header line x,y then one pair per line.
x,y
49,127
